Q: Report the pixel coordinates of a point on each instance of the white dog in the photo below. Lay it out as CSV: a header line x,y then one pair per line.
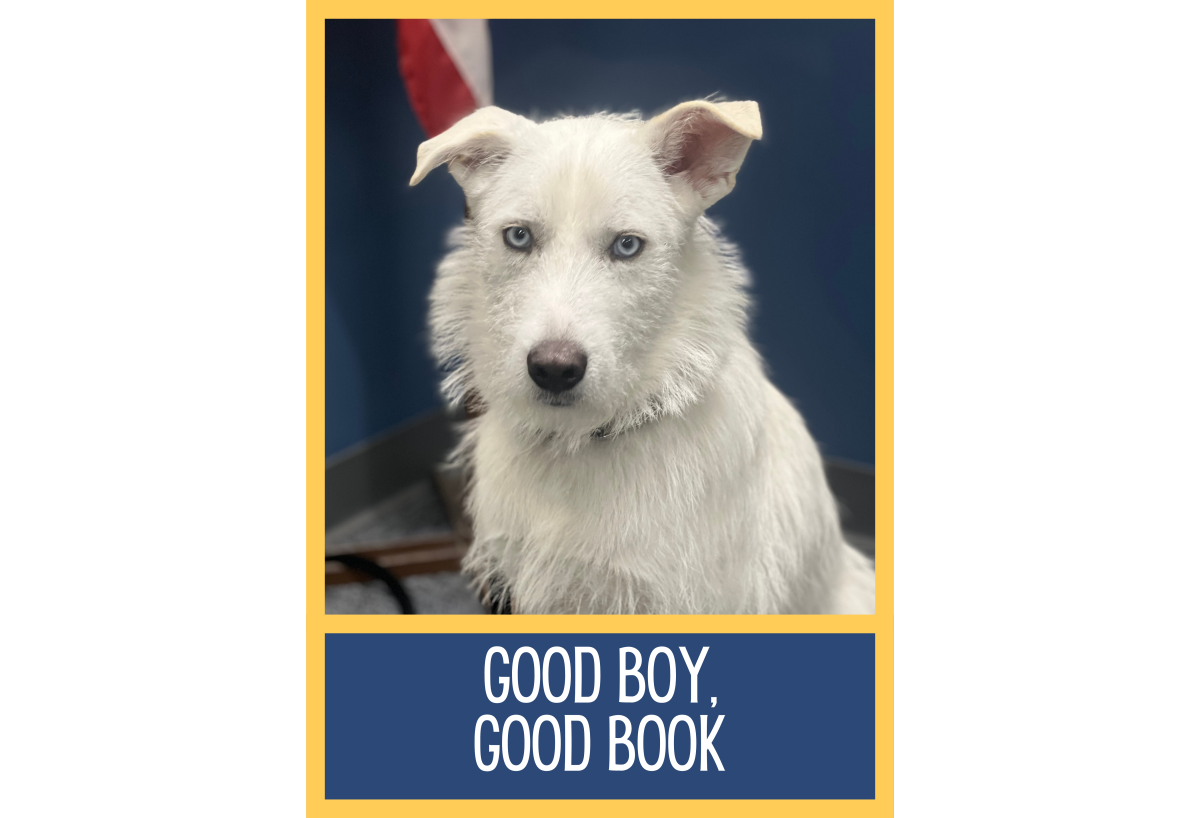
x,y
633,457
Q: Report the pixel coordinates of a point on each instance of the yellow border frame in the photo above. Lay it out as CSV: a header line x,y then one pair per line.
x,y
881,623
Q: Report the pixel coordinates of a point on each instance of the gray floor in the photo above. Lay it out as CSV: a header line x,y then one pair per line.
x,y
416,511
413,511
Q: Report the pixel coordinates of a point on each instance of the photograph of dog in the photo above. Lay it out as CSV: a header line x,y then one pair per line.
x,y
631,456
569,368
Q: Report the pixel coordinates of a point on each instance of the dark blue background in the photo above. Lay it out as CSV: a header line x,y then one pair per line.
x,y
400,713
802,213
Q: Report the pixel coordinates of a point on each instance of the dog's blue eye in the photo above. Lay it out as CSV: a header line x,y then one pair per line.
x,y
626,246
518,238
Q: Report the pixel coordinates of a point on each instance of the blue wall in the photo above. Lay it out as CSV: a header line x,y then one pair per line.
x,y
802,213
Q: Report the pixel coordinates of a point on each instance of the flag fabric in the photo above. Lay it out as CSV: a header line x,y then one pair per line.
x,y
447,69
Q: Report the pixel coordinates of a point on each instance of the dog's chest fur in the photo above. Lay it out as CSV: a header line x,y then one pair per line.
x,y
723,510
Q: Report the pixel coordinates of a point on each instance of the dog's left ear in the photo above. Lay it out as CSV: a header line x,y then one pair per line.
x,y
481,140
700,147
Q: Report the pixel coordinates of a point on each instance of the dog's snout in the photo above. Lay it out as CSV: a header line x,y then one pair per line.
x,y
556,366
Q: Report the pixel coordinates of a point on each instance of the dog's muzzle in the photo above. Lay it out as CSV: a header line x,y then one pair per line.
x,y
557,366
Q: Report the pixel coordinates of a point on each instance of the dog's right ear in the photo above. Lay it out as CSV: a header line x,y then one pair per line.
x,y
700,147
475,142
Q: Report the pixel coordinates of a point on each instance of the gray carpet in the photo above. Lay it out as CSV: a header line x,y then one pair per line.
x,y
411,512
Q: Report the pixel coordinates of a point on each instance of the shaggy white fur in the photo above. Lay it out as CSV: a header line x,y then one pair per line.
x,y
674,478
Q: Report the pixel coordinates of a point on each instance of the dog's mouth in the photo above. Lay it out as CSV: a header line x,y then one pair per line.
x,y
548,398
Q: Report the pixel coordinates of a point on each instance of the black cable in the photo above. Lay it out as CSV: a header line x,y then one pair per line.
x,y
373,569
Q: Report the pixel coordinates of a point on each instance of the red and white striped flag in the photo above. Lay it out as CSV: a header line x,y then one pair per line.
x,y
447,69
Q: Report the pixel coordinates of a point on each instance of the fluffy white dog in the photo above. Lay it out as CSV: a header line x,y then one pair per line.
x,y
633,457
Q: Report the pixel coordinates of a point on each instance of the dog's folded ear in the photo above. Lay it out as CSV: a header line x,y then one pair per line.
x,y
700,146
475,142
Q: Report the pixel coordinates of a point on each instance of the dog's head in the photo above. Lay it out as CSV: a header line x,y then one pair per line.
x,y
562,304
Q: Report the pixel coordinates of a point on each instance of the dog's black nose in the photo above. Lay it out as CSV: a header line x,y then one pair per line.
x,y
556,366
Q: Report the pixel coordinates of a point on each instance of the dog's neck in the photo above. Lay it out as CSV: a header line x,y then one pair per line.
x,y
606,432
649,414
